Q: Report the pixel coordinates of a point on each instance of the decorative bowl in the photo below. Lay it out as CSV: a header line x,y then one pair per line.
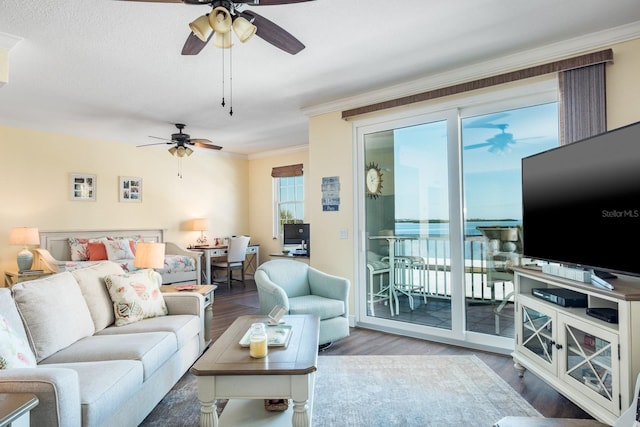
x,y
286,251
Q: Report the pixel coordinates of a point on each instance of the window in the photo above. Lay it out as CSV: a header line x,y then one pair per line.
x,y
288,202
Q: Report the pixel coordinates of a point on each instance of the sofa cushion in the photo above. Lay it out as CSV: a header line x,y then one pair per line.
x,y
94,290
54,313
136,296
324,308
105,387
152,349
183,326
14,349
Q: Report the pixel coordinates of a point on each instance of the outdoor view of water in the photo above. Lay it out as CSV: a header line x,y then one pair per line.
x,y
441,229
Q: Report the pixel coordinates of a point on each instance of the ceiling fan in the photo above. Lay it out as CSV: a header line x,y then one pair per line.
x,y
226,15
182,142
500,142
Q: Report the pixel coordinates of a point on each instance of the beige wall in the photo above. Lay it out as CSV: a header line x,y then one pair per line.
x,y
35,188
4,66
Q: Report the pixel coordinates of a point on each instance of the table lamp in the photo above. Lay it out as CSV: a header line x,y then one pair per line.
x,y
201,225
149,255
24,236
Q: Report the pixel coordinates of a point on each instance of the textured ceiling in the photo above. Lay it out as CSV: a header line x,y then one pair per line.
x,y
112,69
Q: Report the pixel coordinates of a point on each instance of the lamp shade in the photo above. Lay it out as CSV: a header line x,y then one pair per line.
x,y
244,29
201,28
149,255
24,236
200,224
220,20
222,40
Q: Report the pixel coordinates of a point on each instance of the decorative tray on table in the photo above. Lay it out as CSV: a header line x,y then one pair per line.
x,y
277,336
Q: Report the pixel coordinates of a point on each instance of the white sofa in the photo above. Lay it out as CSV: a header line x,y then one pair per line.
x,y
54,255
58,340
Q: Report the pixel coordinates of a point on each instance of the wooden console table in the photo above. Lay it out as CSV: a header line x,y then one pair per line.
x,y
15,408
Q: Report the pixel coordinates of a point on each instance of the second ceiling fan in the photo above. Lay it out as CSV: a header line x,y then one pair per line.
x,y
226,16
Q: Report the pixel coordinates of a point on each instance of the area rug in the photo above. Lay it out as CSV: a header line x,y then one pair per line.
x,y
384,391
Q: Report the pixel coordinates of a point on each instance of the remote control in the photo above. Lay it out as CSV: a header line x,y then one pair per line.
x,y
596,281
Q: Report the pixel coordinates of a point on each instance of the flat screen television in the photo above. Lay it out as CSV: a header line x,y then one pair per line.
x,y
581,203
296,234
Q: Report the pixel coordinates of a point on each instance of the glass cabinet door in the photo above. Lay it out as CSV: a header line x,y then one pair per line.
x,y
588,359
537,332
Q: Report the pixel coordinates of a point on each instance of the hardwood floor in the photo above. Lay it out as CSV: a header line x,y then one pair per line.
x,y
241,300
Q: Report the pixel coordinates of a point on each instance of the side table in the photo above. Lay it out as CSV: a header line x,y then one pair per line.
x,y
13,277
15,408
207,291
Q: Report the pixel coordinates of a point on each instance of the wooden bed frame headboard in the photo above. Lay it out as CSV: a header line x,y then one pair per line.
x,y
57,242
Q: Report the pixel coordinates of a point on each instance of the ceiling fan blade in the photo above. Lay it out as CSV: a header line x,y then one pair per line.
x,y
204,145
194,45
273,33
169,141
157,1
155,143
270,2
472,146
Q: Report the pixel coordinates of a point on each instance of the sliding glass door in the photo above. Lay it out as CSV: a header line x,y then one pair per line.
x,y
440,219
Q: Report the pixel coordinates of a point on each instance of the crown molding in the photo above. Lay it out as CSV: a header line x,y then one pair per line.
x,y
480,70
8,41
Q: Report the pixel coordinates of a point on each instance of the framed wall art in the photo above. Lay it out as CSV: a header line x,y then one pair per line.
x,y
130,189
83,187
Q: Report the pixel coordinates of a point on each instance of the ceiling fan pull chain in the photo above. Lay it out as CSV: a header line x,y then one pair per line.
x,y
230,81
223,103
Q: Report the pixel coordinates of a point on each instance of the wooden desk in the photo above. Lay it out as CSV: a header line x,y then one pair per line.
x,y
226,371
250,265
207,291
15,408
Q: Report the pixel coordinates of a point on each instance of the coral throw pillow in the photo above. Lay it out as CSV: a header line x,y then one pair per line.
x,y
97,251
136,296
14,351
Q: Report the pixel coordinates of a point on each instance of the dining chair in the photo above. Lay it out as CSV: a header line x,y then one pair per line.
x,y
236,253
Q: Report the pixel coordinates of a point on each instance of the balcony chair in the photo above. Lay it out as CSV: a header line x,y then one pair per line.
x,y
381,293
236,254
301,289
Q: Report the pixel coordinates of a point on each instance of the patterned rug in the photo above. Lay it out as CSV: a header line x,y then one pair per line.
x,y
384,391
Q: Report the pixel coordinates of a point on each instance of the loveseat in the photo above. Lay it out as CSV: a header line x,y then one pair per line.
x,y
69,250
97,346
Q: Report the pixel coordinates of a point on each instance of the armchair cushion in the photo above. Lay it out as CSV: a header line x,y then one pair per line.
x,y
324,308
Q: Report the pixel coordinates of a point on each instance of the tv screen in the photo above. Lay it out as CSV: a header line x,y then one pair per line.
x,y
581,202
294,234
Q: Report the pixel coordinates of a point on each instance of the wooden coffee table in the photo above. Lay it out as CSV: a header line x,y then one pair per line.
x,y
226,371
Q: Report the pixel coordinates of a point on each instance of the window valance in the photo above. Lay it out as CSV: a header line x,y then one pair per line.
x,y
287,171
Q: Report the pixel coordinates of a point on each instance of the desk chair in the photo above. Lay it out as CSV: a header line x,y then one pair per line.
x,y
236,253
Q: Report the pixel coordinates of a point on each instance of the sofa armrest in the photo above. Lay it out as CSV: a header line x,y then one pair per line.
x,y
171,248
57,390
269,293
329,286
184,303
43,260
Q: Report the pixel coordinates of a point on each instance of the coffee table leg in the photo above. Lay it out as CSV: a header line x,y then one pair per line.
x,y
208,402
300,414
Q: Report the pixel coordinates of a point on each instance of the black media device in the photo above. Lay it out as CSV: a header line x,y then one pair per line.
x,y
298,234
609,315
581,202
561,296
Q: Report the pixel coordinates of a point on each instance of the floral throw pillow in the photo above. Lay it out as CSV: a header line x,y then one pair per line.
x,y
136,296
118,249
14,351
79,249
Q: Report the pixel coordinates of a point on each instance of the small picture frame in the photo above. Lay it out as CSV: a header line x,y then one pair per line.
x,y
275,316
130,189
83,187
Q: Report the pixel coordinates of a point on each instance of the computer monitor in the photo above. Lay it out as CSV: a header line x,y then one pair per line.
x,y
296,234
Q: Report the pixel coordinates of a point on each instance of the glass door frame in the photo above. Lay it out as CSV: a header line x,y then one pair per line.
x,y
541,90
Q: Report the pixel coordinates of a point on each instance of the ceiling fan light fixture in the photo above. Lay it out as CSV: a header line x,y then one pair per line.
x,y
201,28
220,20
243,29
188,151
181,151
222,40
173,150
